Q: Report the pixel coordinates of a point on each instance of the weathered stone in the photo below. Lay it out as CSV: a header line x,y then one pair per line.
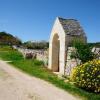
x,y
96,51
63,33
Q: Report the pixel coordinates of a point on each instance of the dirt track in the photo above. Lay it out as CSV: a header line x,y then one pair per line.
x,y
15,85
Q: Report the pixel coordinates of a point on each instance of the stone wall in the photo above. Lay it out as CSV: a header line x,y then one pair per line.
x,y
41,55
96,51
70,63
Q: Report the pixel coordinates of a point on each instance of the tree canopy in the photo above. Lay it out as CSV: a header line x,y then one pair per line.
x,y
36,45
83,51
8,39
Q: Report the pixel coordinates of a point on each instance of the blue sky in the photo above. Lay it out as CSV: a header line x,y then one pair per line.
x,y
33,19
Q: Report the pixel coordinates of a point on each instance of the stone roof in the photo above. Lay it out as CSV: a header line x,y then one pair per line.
x,y
71,27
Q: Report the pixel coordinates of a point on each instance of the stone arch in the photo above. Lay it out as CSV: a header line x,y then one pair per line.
x,y
63,33
57,52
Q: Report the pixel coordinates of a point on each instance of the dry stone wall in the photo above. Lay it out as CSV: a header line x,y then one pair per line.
x,y
96,51
42,55
70,63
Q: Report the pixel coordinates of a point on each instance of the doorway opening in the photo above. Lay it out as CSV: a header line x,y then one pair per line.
x,y
55,53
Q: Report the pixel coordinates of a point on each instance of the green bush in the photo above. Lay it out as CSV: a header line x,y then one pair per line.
x,y
87,76
38,63
83,51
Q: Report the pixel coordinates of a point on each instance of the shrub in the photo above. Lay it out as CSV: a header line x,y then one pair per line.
x,y
38,63
87,76
83,51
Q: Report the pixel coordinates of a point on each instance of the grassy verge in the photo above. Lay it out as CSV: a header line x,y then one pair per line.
x,y
35,68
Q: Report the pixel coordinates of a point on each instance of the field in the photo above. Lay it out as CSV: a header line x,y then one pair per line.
x,y
36,68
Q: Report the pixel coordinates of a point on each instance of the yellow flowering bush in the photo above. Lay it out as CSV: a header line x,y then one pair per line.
x,y
87,76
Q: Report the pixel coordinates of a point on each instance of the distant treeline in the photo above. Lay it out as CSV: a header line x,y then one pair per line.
x,y
45,45
8,39
36,45
97,44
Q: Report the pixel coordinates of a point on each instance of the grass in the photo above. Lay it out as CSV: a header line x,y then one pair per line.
x,y
35,68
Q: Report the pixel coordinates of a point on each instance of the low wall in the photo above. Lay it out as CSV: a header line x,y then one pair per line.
x,y
70,63
41,55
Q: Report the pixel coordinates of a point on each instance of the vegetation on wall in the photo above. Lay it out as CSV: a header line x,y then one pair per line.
x,y
83,51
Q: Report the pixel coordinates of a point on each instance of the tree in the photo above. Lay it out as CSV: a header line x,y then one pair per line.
x,y
83,51
97,44
36,45
8,39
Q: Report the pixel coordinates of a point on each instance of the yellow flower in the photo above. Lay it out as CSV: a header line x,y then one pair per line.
x,y
95,69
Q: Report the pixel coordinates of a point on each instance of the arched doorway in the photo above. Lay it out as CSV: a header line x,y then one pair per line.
x,y
57,48
61,36
55,53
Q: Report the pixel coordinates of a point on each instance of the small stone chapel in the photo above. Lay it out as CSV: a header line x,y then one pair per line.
x,y
62,34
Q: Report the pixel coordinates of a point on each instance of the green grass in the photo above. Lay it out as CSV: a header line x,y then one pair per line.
x,y
35,68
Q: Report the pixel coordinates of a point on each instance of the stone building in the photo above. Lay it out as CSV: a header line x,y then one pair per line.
x,y
62,34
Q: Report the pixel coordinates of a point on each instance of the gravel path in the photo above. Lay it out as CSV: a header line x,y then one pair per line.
x,y
16,85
